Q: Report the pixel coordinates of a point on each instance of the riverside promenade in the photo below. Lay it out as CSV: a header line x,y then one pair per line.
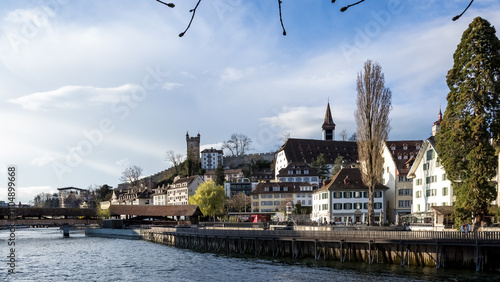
x,y
476,250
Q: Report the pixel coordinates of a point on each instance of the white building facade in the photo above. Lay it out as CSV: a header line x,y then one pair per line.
x,y
430,184
210,158
345,200
179,192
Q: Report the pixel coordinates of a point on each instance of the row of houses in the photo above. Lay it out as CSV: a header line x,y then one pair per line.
x,y
413,183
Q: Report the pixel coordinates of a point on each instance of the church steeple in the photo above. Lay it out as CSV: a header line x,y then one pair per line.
x,y
435,127
328,125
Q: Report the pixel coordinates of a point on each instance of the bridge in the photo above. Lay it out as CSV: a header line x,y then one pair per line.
x,y
46,216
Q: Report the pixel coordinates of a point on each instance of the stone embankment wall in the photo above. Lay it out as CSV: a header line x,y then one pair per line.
x,y
407,248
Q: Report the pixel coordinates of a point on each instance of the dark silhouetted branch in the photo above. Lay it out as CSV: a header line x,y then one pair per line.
x,y
171,5
281,19
192,17
458,16
343,9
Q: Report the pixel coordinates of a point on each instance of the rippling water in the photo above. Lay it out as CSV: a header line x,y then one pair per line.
x,y
44,255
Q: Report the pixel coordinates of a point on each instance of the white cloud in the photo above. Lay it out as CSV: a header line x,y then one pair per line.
x,y
123,162
230,75
73,97
170,85
300,122
43,160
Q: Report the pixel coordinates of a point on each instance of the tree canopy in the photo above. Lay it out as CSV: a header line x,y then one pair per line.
x,y
471,120
209,198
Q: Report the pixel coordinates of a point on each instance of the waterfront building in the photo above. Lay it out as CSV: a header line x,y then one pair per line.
x,y
181,189
345,199
211,158
431,186
244,186
307,150
72,197
270,197
398,158
160,196
299,172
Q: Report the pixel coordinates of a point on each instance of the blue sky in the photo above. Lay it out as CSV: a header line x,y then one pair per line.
x,y
90,87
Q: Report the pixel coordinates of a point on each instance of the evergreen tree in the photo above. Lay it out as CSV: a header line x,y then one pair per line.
x,y
321,166
470,121
219,175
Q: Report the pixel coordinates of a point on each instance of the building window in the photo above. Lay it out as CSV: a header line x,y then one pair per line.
x,y
405,147
405,157
418,207
378,194
276,188
365,206
325,206
358,206
418,181
418,194
430,155
377,205
445,191
298,171
337,195
285,189
347,195
337,206
399,157
306,171
324,196
404,204
444,177
365,195
426,166
347,206
358,194
266,189
290,172
256,197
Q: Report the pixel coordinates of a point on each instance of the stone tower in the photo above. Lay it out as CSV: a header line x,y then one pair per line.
x,y
193,148
328,125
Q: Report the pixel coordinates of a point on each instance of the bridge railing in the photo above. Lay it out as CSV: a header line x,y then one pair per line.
x,y
338,235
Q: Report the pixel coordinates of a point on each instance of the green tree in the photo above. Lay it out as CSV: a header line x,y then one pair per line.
x,y
220,178
209,198
339,161
321,167
471,119
372,119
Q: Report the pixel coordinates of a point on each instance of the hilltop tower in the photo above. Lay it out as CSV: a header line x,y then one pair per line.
x,y
435,127
193,148
328,125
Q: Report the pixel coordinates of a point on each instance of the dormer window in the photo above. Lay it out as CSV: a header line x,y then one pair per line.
x,y
290,171
276,188
297,171
393,147
405,157
306,171
399,157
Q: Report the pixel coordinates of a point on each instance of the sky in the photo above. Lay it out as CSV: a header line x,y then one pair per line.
x,y
90,87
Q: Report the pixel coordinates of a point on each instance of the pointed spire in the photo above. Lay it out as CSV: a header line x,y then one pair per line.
x,y
328,116
328,124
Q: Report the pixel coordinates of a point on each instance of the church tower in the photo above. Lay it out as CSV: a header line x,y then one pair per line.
x,y
435,127
328,125
193,148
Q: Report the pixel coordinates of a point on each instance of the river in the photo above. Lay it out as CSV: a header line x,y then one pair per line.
x,y
45,255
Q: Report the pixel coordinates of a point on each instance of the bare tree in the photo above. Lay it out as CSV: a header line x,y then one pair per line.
x,y
343,134
132,175
372,118
175,159
238,144
284,137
